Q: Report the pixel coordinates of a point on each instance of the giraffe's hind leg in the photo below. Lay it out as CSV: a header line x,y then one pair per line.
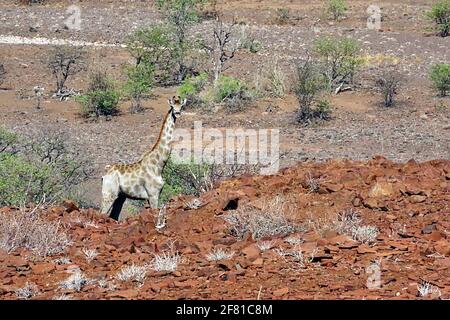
x,y
110,192
117,206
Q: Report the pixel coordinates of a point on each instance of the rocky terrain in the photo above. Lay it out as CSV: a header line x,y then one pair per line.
x,y
365,196
408,203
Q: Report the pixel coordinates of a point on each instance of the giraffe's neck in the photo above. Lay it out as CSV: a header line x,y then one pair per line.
x,y
160,152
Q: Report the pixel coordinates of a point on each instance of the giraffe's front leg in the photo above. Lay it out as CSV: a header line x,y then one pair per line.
x,y
153,190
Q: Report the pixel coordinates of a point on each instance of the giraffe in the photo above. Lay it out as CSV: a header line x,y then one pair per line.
x,y
141,180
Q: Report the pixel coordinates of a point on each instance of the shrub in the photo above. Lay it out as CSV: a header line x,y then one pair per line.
x,y
219,254
64,62
310,82
273,80
233,92
27,292
336,8
41,167
29,230
191,88
339,58
8,141
185,178
440,14
140,81
101,97
166,260
440,76
389,84
132,272
268,221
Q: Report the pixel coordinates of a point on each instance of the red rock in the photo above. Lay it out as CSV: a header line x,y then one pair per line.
x,y
258,262
251,252
43,268
16,261
357,202
70,205
417,199
442,247
332,187
126,294
339,239
191,283
381,189
363,249
281,292
435,236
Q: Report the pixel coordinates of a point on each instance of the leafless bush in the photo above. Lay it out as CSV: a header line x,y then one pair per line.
x,y
90,254
313,183
27,292
167,260
389,84
347,223
29,230
295,255
265,245
219,254
64,62
426,289
223,48
75,282
268,221
133,272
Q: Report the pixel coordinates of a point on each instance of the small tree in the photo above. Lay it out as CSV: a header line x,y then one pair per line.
x,y
336,8
223,48
440,76
101,97
440,14
310,82
180,15
389,84
140,81
339,58
154,46
65,62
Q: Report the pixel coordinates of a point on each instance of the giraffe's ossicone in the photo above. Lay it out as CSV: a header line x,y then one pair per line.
x,y
141,180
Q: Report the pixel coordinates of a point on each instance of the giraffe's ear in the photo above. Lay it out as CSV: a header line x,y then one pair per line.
x,y
184,102
170,101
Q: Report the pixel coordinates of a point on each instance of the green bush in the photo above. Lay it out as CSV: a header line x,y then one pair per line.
x,y
8,140
339,57
37,166
234,93
184,178
192,87
101,97
440,76
336,8
139,83
440,14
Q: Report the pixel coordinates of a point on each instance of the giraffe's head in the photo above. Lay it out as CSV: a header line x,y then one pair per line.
x,y
176,105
